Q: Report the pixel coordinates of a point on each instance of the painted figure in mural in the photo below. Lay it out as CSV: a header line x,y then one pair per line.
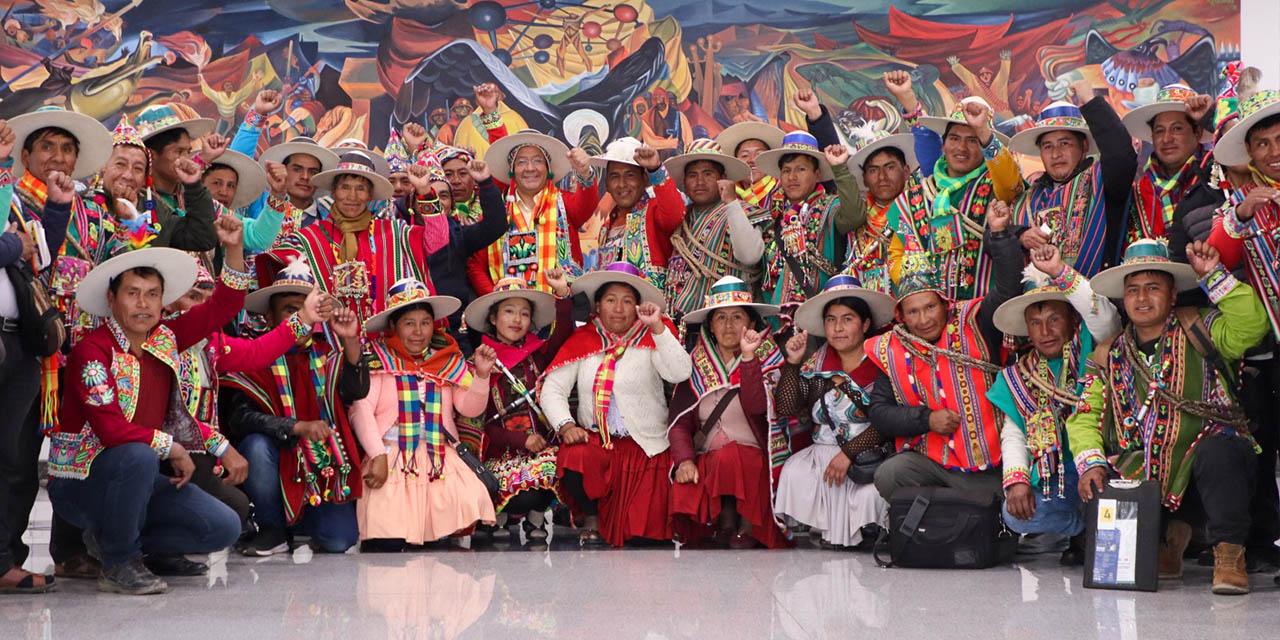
x,y
671,129
989,84
460,110
491,120
227,98
571,35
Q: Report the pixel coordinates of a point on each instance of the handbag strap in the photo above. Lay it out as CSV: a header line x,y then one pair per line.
x,y
718,411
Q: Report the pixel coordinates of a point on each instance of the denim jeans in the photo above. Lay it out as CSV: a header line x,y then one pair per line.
x,y
332,527
131,508
1060,515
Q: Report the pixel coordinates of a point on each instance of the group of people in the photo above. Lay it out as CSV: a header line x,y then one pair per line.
x,y
769,335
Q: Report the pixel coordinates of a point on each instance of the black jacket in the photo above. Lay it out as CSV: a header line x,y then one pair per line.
x,y
241,415
448,265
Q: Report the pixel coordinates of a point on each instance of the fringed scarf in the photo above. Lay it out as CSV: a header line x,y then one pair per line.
x,y
949,186
758,192
711,372
1156,196
419,393
531,246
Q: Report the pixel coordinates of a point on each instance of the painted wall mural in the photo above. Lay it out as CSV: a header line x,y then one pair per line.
x,y
588,71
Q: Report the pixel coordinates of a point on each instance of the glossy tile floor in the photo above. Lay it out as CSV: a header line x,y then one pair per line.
x,y
631,593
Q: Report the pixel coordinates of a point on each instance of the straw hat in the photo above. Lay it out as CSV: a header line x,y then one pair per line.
x,y
623,272
176,267
1058,116
95,140
305,146
733,137
1038,287
1170,98
939,124
707,149
251,178
295,277
801,142
1231,150
499,155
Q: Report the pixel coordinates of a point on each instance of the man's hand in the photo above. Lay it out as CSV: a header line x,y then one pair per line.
x,y
267,101
978,118
559,281
479,170
420,178
1048,259
487,96
651,315
213,146
807,102
837,470
999,216
277,178
188,171
837,154
1021,501
485,356
318,307
728,191
1094,478
182,465
944,422
899,85
1083,90
750,341
7,139
796,347
230,231
61,187
375,473
687,472
312,430
235,465
1033,238
1258,197
28,245
345,323
1198,106
573,434
1203,257
580,160
535,443
414,136
648,158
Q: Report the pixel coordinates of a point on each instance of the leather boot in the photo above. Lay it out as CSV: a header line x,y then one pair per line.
x,y
1229,575
1176,538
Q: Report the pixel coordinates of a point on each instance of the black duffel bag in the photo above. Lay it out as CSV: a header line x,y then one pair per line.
x,y
944,528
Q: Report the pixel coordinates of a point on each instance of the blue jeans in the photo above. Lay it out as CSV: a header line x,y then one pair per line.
x,y
131,508
1053,514
332,527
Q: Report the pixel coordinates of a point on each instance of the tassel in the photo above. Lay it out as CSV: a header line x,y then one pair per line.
x,y
49,399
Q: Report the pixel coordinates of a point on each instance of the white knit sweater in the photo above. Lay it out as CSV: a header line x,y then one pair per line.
x,y
637,390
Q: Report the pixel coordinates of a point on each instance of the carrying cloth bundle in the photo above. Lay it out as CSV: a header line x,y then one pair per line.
x,y
945,528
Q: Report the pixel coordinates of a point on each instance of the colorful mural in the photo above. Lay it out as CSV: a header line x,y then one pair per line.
x,y
588,71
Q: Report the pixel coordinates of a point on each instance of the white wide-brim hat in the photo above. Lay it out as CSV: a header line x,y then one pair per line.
x,y
306,146
801,142
251,178
542,303
410,291
1143,255
1170,98
95,140
621,150
498,157
730,139
380,163
809,315
355,162
706,149
729,292
178,268
623,272
939,124
1231,149
1058,116
1011,317
904,142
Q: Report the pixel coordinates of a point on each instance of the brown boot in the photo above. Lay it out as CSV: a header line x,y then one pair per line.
x,y
1229,575
1176,538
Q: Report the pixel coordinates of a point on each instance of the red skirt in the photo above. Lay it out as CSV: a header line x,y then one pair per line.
x,y
632,489
737,471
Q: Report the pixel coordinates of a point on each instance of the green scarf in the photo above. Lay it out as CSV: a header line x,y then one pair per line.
x,y
948,185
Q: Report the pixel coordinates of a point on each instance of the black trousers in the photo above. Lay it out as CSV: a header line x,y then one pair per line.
x,y
1261,399
19,447
531,500
1223,472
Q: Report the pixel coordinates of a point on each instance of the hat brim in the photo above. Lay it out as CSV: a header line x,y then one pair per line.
x,y
178,269
1231,150
543,303
1010,317
260,301
1027,142
196,127
441,307
809,315
589,282
904,142
382,188
497,155
575,122
281,152
251,178
734,169
699,315
380,163
1110,282
769,160
735,135
1136,120
939,126
94,139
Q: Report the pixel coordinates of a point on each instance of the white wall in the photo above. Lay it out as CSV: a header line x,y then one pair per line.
x,y
1259,34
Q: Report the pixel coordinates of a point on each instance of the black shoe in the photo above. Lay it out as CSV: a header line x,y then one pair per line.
x,y
482,536
173,565
382,545
132,579
267,542
1260,561
1073,556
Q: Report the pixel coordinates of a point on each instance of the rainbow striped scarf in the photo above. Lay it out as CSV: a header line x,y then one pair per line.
x,y
758,192
319,461
419,396
602,386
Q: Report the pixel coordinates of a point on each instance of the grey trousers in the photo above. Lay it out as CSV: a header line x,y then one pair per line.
x,y
913,469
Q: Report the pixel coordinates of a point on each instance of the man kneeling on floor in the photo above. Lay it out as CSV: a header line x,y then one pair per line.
x,y
114,471
1160,402
1038,393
